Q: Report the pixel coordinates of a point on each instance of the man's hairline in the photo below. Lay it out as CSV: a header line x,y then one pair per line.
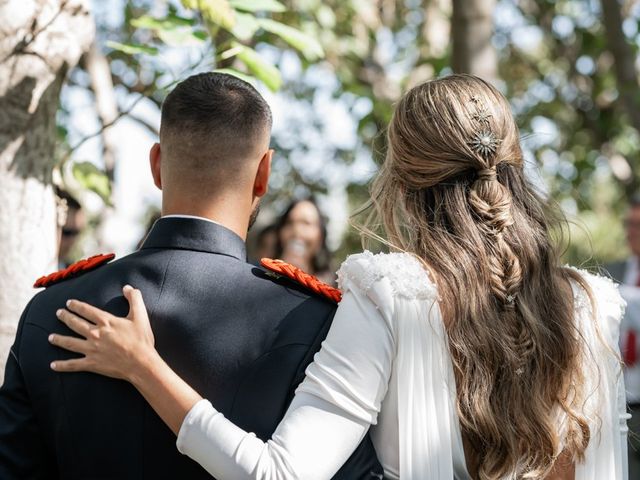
x,y
261,141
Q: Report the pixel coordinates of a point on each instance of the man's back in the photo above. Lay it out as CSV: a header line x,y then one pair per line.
x,y
240,338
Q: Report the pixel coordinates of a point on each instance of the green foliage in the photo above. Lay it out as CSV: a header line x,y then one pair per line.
x,y
258,66
257,5
240,75
595,240
214,12
132,48
171,21
305,44
232,29
588,150
172,30
93,179
246,26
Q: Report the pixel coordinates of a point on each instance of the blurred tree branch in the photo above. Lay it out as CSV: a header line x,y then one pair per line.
x,y
97,66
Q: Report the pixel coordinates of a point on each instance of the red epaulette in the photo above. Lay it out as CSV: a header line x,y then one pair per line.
x,y
74,270
309,281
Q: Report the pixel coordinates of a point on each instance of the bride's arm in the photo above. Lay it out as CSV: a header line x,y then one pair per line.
x,y
327,419
331,412
313,440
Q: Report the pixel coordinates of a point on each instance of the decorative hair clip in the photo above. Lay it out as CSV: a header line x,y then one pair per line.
x,y
484,141
482,116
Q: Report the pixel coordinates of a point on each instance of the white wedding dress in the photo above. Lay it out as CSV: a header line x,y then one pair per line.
x,y
385,364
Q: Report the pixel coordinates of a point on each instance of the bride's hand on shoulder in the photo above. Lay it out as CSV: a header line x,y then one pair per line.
x,y
113,346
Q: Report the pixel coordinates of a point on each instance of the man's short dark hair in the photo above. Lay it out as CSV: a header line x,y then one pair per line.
x,y
213,116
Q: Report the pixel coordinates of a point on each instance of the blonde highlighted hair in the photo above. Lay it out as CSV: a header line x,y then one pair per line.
x,y
452,191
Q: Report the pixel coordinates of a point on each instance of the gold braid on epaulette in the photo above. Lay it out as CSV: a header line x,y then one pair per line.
x,y
303,278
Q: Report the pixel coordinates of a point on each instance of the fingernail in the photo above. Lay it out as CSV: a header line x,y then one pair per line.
x,y
51,338
53,365
59,313
68,303
127,287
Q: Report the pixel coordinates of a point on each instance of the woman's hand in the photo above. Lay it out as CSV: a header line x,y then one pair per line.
x,y
113,346
123,348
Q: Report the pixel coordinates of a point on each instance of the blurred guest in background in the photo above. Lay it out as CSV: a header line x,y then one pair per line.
x,y
74,225
265,243
627,273
302,239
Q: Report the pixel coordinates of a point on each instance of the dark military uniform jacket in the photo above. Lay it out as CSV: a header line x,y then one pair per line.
x,y
241,338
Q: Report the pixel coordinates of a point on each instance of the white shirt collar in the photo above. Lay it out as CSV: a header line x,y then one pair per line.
x,y
196,217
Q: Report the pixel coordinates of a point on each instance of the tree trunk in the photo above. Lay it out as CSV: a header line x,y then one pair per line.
x,y
39,41
626,75
472,32
99,71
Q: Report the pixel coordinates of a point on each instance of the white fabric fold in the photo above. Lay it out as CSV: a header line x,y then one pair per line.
x,y
606,454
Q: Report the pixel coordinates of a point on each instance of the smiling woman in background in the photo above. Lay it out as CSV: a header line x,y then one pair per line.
x,y
302,239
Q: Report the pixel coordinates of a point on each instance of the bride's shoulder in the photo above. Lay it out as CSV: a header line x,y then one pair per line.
x,y
603,289
605,293
402,274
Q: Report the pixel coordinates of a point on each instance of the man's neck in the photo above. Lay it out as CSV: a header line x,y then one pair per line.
x,y
233,220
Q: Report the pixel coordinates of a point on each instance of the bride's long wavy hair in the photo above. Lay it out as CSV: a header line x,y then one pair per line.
x,y
452,191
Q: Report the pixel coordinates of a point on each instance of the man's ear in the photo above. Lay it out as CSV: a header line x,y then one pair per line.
x,y
155,160
261,183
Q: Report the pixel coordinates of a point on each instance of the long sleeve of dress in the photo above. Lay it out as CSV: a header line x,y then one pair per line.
x,y
606,454
329,416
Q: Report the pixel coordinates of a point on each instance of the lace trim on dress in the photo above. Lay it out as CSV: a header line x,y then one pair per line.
x,y
609,302
604,289
405,273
